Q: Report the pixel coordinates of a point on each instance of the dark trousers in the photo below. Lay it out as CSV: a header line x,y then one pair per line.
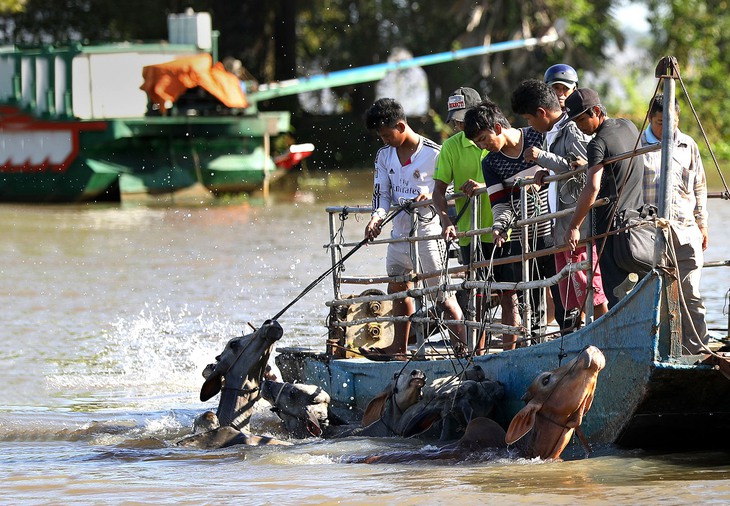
x,y
611,274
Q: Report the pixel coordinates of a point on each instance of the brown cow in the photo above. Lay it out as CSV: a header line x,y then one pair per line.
x,y
557,401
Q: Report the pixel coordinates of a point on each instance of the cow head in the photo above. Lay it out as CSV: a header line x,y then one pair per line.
x,y
557,400
238,372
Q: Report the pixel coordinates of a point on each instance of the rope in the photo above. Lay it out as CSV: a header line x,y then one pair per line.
x,y
704,135
405,205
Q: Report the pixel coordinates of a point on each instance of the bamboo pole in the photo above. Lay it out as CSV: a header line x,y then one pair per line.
x,y
496,327
420,292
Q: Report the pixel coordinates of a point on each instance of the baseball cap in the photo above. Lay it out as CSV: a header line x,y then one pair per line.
x,y
461,100
580,101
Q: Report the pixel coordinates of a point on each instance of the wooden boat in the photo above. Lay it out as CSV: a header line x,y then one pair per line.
x,y
649,395
75,124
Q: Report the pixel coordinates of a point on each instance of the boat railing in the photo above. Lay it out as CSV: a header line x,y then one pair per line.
x,y
471,283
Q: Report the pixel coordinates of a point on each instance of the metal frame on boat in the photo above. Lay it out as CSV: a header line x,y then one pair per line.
x,y
649,395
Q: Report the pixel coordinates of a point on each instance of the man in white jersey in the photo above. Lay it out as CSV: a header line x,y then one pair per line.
x,y
404,170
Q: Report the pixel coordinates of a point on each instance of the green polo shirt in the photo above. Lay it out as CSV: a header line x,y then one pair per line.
x,y
460,160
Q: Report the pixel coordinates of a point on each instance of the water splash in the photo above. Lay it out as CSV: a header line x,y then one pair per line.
x,y
146,360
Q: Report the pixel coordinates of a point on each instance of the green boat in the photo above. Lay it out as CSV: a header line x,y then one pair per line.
x,y
75,124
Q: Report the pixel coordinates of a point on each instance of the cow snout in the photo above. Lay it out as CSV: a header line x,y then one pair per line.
x,y
418,378
273,330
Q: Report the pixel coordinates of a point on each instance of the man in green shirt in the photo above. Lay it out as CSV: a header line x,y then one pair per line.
x,y
460,162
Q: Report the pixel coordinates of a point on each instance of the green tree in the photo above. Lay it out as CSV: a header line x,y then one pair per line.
x,y
335,35
94,21
697,32
8,6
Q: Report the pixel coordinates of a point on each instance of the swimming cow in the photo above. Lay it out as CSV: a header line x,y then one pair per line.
x,y
237,374
557,401
303,409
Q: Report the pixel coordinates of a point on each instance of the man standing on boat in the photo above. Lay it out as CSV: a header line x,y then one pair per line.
x,y
620,181
404,170
460,162
487,126
537,103
688,216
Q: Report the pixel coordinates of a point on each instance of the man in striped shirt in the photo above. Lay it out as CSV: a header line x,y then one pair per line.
x,y
487,126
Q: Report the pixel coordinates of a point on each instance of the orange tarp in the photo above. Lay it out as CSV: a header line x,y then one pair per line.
x,y
167,81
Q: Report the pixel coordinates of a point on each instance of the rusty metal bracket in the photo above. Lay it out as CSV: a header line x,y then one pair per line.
x,y
667,67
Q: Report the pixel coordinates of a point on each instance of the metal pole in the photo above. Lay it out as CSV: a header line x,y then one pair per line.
x,y
665,176
527,315
589,304
418,300
336,254
471,312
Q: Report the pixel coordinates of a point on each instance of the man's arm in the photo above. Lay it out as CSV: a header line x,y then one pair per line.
x,y
700,191
382,197
499,198
439,201
583,206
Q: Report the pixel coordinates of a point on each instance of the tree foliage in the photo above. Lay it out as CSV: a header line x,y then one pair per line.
x,y
697,32
10,6
62,21
335,35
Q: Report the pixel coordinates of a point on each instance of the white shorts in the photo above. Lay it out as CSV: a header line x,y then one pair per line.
x,y
431,257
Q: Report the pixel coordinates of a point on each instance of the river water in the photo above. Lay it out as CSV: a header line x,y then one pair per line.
x,y
110,313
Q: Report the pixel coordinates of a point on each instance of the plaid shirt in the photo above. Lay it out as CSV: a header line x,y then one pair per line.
x,y
689,195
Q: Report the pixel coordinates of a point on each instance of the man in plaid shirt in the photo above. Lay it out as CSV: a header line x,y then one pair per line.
x,y
688,216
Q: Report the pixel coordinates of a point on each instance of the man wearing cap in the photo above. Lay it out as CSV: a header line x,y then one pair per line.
x,y
460,162
620,181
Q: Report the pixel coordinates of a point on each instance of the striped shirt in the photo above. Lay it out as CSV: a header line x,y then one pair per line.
x,y
500,171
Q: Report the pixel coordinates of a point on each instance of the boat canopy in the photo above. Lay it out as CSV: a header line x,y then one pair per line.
x,y
165,82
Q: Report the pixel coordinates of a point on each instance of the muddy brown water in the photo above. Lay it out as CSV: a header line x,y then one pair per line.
x,y
109,314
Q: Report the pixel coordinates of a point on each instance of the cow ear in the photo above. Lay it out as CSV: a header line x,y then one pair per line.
x,y
375,408
211,387
522,423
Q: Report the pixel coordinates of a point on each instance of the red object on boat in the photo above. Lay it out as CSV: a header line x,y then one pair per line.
x,y
295,154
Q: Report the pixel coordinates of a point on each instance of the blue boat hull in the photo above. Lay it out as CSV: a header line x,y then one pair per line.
x,y
644,398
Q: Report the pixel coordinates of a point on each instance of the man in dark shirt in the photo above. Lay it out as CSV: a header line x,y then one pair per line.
x,y
619,181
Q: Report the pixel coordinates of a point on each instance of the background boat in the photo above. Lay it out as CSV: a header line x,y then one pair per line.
x,y
76,125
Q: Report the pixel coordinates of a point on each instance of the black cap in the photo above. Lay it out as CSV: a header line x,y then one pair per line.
x,y
580,101
461,100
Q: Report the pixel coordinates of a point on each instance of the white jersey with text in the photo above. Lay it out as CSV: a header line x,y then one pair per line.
x,y
396,183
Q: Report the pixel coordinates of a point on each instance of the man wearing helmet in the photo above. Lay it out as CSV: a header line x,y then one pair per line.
x,y
563,79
